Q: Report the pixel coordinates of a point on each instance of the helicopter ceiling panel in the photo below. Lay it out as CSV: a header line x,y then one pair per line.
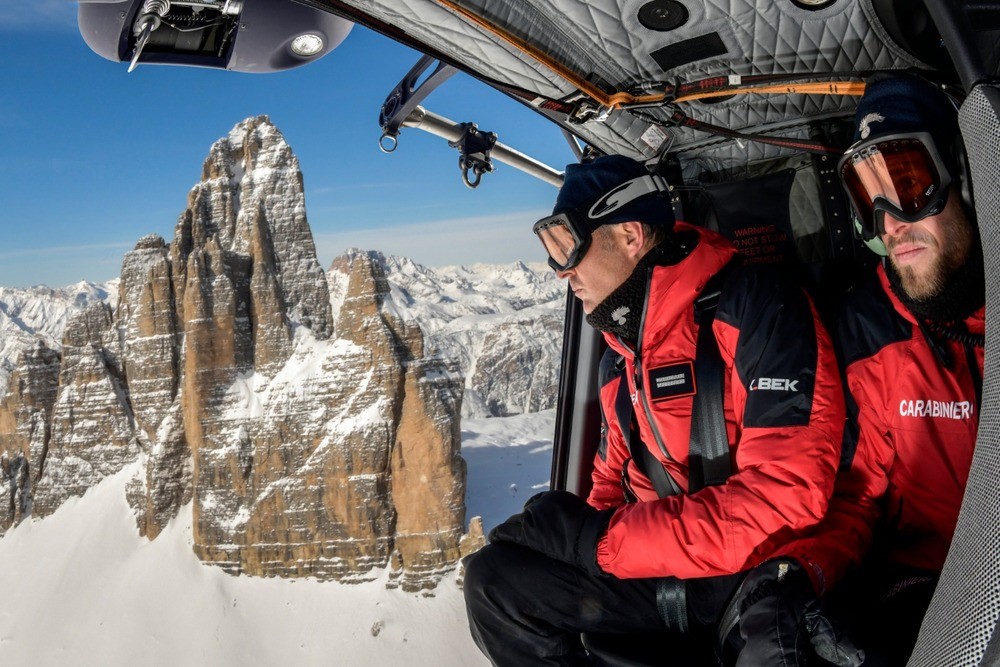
x,y
610,69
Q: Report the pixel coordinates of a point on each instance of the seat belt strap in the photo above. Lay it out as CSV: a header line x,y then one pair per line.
x,y
671,603
641,456
709,457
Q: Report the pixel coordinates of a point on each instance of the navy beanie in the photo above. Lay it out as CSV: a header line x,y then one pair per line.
x,y
903,102
584,184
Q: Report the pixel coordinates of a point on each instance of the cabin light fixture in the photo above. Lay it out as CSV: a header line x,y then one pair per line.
x,y
813,4
307,44
662,15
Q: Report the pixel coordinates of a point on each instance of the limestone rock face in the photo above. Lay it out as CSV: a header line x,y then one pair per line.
x,y
147,316
501,326
24,429
428,476
303,452
348,458
92,428
251,202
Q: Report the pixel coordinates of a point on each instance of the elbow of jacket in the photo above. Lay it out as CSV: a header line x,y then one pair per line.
x,y
804,499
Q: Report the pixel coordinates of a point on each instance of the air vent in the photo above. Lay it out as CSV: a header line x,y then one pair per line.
x,y
689,51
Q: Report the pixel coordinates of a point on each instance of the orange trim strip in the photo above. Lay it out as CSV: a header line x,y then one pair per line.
x,y
611,101
617,100
815,88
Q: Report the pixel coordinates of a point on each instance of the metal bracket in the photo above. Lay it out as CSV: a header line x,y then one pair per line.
x,y
474,152
407,96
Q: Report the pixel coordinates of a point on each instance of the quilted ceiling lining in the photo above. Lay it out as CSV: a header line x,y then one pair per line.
x,y
603,42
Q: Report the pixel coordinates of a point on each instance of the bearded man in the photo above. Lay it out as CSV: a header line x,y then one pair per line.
x,y
911,345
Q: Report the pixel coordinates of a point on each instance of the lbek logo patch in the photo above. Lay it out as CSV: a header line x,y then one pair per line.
x,y
774,384
672,381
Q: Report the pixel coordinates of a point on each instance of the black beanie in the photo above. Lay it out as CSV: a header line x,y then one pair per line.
x,y
902,102
586,183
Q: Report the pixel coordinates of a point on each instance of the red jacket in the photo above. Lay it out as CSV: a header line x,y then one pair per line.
x,y
784,414
914,431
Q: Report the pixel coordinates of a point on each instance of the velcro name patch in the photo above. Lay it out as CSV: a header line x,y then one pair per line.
x,y
673,381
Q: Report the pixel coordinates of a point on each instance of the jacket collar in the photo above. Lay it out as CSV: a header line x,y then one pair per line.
x,y
673,289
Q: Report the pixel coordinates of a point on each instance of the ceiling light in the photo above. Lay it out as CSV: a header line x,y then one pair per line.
x,y
308,44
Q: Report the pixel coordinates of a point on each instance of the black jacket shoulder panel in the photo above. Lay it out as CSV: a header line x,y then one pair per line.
x,y
776,353
610,368
868,322
752,290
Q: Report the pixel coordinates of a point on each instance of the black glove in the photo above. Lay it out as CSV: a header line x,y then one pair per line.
x,y
560,525
778,605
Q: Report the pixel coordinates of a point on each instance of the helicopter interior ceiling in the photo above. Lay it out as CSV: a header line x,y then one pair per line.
x,y
610,69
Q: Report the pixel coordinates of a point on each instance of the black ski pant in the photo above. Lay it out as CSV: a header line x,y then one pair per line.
x,y
883,609
528,609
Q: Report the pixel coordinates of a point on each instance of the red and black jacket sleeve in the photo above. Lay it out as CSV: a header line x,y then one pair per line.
x,y
612,453
867,325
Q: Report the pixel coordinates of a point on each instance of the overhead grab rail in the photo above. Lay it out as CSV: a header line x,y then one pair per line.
x,y
453,132
476,148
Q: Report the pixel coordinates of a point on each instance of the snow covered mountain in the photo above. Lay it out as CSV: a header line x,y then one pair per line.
x,y
501,324
312,417
479,315
115,599
40,314
227,401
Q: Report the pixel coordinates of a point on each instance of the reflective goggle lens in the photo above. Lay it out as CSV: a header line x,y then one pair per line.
x,y
564,246
898,176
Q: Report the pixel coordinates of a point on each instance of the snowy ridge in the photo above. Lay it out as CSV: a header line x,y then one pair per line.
x,y
478,315
501,323
40,314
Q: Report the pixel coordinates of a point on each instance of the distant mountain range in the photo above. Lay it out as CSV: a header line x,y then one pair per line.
x,y
502,324
482,316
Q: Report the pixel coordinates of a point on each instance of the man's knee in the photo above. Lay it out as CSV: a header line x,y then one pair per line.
x,y
489,569
484,565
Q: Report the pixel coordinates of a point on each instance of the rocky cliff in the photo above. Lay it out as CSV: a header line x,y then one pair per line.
x,y
500,325
309,444
35,314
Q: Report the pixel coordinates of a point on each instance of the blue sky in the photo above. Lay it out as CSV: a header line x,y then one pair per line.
x,y
95,158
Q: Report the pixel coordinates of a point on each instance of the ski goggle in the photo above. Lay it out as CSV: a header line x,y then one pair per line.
x,y
899,174
566,235
565,242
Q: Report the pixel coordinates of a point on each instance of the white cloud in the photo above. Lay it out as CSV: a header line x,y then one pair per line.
x,y
61,265
491,239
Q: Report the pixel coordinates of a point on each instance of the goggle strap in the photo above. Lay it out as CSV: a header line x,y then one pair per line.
x,y
625,194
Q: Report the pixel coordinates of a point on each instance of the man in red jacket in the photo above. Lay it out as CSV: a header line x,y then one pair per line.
x,y
654,547
912,347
